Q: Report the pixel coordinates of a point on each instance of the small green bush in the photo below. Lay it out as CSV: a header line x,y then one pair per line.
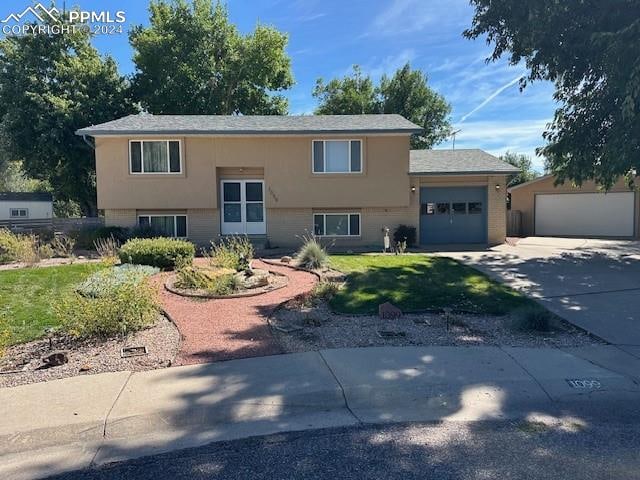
x,y
129,307
18,248
232,252
158,252
312,255
103,282
324,290
531,319
405,233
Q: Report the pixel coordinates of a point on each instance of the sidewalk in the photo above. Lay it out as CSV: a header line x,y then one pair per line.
x,y
91,420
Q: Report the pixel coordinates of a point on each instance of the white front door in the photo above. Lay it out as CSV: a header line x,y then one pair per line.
x,y
243,209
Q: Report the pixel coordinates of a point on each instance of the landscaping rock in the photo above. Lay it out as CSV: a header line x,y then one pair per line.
x,y
55,359
388,311
286,259
256,281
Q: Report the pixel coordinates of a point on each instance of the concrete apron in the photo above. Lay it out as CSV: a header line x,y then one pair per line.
x,y
90,420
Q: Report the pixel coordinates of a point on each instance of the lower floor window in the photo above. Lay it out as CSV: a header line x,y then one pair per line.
x,y
168,225
19,213
336,224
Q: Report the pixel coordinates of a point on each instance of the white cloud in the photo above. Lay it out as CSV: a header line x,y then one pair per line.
x,y
498,137
388,65
491,97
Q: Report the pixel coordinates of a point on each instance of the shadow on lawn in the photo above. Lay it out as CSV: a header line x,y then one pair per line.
x,y
427,284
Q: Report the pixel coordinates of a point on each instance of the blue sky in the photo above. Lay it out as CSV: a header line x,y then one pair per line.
x,y
326,37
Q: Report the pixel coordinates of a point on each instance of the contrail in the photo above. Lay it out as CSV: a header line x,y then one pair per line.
x,y
491,97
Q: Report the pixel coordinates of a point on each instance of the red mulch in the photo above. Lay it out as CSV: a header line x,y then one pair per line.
x,y
224,329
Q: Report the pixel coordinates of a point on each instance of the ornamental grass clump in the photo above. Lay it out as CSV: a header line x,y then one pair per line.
x,y
234,252
218,281
18,248
312,255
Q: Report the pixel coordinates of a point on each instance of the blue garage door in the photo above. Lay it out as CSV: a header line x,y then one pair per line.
x,y
453,215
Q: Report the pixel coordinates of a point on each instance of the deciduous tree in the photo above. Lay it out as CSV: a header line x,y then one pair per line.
x,y
590,49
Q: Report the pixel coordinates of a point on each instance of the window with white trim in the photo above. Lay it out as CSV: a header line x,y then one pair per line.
x,y
337,156
336,224
155,156
19,213
167,225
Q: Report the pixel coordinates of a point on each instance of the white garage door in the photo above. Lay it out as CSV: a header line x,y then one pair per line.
x,y
585,214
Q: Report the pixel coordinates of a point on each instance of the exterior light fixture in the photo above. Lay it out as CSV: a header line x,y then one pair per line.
x,y
413,189
497,186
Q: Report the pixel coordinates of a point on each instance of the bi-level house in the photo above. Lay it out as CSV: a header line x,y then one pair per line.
x,y
344,177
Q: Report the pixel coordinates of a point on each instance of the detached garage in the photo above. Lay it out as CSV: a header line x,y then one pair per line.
x,y
568,211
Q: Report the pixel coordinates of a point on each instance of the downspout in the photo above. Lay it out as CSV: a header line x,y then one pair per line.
x,y
84,139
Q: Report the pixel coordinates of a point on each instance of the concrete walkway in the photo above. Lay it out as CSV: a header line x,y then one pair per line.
x,y
225,329
594,284
91,420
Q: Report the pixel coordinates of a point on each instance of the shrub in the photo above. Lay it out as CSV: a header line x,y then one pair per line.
x,y
87,237
17,248
324,290
63,245
221,281
232,252
45,251
103,282
531,319
405,233
129,307
312,255
146,231
158,252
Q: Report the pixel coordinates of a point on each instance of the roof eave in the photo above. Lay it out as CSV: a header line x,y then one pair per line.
x,y
467,173
116,133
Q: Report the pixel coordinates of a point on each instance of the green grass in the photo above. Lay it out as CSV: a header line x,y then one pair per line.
x,y
419,282
27,295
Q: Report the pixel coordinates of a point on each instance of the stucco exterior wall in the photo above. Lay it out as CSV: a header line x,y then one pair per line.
x,y
284,161
523,199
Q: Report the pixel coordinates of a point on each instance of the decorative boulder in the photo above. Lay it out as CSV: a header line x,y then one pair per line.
x,y
258,278
389,311
55,359
286,259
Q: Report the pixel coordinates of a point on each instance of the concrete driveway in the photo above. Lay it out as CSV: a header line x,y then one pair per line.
x,y
594,284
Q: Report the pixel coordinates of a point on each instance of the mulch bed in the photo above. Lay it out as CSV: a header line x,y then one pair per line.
x,y
299,327
90,356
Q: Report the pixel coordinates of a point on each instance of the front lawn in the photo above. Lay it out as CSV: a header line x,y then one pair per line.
x,y
27,294
419,282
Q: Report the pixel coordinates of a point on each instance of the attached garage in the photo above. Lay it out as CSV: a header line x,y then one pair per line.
x,y
569,211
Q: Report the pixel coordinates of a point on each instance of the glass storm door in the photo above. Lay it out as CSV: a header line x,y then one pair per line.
x,y
243,209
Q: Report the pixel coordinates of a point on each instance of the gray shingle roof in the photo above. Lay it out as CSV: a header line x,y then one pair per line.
x,y
144,124
25,197
457,162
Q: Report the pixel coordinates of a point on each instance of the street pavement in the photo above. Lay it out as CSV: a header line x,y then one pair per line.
x,y
94,420
544,447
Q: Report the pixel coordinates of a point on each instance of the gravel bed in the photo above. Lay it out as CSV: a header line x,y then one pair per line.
x,y
299,328
90,356
51,262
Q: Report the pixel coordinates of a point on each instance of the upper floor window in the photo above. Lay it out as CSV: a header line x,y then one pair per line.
x,y
155,156
337,156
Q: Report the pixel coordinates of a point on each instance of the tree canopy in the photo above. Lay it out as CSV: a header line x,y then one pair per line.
x,y
192,60
590,49
406,93
51,85
522,162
